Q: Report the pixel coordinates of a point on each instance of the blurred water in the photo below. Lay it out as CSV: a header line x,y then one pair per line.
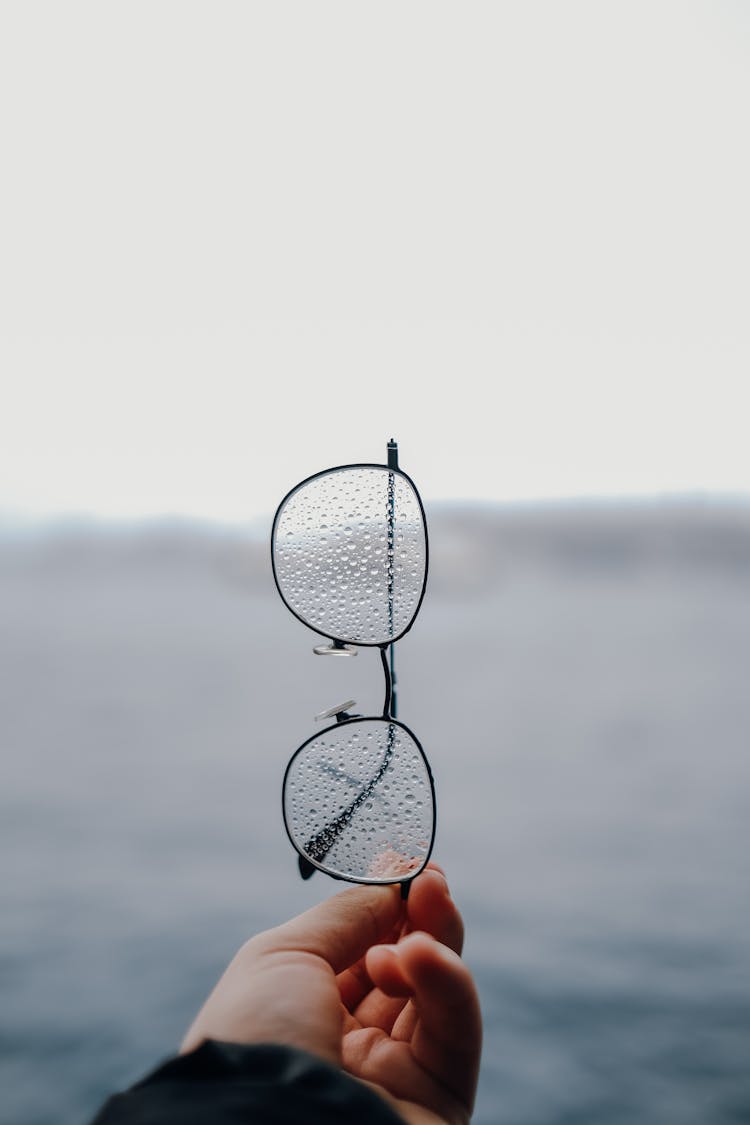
x,y
579,681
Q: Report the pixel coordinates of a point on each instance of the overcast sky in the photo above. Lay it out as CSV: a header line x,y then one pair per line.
x,y
241,242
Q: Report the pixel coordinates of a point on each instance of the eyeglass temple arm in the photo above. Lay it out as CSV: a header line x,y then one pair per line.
x,y
391,706
306,869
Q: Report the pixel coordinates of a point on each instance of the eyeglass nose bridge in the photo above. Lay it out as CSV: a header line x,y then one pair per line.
x,y
341,648
388,663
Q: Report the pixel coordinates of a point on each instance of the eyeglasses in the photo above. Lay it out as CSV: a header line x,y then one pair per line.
x,y
349,554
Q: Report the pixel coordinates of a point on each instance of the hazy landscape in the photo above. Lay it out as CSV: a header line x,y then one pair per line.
x,y
578,676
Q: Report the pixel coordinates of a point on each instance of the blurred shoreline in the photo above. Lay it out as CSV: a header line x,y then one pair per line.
x,y
472,545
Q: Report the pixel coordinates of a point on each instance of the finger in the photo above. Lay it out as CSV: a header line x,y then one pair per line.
x,y
430,908
343,928
354,983
386,971
385,1002
405,1024
448,1033
379,1009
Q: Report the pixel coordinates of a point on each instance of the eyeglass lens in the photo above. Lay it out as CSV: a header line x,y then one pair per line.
x,y
350,553
358,801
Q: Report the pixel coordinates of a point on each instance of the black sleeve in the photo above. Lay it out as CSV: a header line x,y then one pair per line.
x,y
229,1084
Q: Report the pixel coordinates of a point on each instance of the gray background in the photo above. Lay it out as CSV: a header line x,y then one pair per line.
x,y
578,678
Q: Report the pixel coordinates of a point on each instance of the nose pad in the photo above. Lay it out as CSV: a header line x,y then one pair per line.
x,y
340,711
335,648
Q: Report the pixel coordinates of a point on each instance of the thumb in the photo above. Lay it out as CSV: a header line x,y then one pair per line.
x,y
447,1038
341,929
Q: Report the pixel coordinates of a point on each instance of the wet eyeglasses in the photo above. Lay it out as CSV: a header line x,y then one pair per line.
x,y
349,555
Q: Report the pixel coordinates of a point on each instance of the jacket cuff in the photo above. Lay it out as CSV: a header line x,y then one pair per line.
x,y
228,1084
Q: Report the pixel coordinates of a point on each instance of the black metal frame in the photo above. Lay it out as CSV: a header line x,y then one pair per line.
x,y
307,865
324,473
306,861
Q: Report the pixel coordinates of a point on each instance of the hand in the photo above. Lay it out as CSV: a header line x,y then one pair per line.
x,y
371,984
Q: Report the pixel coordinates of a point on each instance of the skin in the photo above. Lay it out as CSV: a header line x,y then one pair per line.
x,y
371,984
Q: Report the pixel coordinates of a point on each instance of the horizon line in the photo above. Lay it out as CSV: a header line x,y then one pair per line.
x,y
14,519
